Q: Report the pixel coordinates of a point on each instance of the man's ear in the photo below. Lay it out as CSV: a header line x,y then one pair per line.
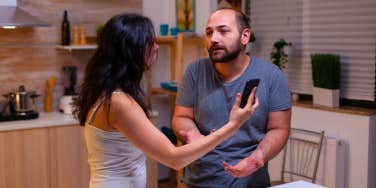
x,y
246,34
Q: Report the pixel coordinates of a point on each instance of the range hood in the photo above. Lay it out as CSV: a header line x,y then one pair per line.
x,y
12,16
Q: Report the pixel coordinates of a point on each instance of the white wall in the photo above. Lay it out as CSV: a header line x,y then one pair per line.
x,y
163,11
372,153
313,27
358,133
8,2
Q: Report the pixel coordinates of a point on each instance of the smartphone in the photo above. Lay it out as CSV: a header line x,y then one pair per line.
x,y
247,91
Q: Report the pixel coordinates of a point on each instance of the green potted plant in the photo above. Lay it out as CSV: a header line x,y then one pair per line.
x,y
326,69
278,54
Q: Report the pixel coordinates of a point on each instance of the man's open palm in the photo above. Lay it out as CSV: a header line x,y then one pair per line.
x,y
245,167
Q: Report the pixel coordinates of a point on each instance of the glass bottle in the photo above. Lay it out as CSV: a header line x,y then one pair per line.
x,y
65,30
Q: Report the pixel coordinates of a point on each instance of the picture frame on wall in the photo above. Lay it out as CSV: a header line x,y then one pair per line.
x,y
185,15
240,5
234,4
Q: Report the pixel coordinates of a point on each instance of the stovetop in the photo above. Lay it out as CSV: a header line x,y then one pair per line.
x,y
13,117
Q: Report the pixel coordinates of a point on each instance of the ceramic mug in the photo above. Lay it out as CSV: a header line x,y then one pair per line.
x,y
174,31
163,29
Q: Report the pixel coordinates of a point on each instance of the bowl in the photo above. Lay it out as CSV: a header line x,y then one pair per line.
x,y
170,86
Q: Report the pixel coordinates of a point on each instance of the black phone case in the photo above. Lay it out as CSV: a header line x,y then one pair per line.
x,y
247,91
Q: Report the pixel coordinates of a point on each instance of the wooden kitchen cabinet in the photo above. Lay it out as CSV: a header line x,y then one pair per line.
x,y
44,158
68,157
53,157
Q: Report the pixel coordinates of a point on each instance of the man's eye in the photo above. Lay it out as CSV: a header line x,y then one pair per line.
x,y
208,33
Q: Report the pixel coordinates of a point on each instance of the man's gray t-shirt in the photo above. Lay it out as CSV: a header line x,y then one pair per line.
x,y
211,107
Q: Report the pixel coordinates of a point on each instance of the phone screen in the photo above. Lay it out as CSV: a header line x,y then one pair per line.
x,y
247,91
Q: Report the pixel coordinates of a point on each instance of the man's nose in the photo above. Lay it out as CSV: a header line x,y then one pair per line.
x,y
215,37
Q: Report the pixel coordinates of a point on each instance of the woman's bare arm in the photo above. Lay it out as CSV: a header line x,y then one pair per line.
x,y
127,117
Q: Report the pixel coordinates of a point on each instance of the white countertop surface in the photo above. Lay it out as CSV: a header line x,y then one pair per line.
x,y
52,119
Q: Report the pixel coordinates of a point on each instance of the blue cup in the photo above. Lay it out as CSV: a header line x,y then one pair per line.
x,y
174,31
163,29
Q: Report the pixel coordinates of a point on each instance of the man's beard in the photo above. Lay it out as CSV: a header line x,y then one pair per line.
x,y
227,56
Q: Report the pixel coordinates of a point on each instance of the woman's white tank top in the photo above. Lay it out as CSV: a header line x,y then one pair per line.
x,y
114,161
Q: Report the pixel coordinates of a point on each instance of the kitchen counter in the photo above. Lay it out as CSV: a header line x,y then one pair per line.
x,y
52,119
342,109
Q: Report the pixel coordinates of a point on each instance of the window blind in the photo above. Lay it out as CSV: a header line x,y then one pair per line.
x,y
344,27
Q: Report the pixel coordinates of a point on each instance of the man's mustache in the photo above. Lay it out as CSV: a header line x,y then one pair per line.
x,y
217,47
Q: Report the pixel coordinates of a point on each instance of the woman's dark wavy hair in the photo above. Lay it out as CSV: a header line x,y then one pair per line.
x,y
119,62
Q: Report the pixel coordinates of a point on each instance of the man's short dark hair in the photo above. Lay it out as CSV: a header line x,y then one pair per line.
x,y
242,19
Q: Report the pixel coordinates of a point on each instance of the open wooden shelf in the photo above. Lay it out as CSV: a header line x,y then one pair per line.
x,y
170,40
77,47
161,91
193,40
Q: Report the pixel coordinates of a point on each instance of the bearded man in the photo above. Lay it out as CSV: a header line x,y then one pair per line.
x,y
205,97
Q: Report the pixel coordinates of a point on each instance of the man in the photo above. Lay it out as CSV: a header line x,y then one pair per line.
x,y
206,94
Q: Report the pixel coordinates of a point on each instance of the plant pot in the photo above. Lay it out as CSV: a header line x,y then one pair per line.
x,y
326,97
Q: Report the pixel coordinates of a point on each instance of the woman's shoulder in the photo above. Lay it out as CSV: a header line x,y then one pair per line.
x,y
123,108
123,103
120,99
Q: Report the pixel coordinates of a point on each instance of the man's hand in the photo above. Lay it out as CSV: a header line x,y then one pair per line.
x,y
190,136
246,166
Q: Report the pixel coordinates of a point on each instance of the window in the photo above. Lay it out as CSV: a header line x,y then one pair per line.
x,y
344,27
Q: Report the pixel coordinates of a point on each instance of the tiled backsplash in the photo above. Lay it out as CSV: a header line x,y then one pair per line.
x,y
28,55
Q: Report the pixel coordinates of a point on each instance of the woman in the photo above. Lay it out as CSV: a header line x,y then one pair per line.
x,y
111,106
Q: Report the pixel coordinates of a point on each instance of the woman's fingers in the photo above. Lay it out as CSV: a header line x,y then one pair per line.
x,y
238,98
255,103
251,97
